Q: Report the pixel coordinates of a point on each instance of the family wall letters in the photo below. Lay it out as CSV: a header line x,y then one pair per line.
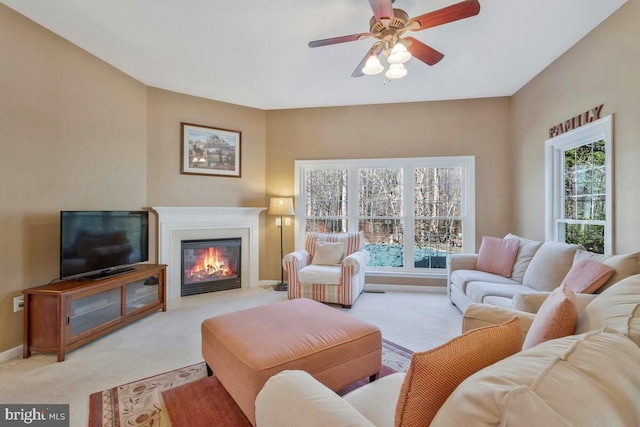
x,y
576,122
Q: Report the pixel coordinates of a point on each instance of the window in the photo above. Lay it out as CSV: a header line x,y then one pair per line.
x,y
578,187
413,212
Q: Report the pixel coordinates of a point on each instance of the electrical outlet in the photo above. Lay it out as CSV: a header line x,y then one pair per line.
x,y
18,303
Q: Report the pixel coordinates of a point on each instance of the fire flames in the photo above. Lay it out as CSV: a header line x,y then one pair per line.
x,y
212,264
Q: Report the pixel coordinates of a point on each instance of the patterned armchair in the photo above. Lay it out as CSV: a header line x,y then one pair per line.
x,y
330,268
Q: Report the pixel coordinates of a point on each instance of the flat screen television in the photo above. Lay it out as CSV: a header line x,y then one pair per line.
x,y
95,244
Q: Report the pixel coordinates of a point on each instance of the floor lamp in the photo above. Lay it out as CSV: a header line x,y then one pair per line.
x,y
281,206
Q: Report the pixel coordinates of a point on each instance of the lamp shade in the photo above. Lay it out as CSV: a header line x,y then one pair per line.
x,y
281,206
399,54
396,71
373,66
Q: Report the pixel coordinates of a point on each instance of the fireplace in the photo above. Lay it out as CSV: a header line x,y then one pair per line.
x,y
176,224
210,265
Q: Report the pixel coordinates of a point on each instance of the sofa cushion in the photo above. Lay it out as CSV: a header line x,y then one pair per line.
x,y
434,374
625,265
556,318
377,400
527,250
580,380
505,302
550,265
617,308
320,274
478,291
461,278
328,253
587,275
497,255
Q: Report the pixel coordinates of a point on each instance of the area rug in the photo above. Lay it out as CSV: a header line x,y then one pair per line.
x,y
187,397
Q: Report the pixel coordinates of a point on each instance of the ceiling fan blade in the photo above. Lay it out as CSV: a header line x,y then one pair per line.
x,y
424,53
341,39
376,51
382,9
464,9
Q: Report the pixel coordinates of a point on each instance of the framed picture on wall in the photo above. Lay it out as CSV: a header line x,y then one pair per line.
x,y
210,151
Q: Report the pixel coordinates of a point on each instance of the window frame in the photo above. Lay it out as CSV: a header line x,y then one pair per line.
x,y
467,163
597,130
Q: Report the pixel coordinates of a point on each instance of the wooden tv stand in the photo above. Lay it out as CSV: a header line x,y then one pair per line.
x,y
62,316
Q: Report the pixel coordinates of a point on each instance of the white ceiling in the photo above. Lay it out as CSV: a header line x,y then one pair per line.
x,y
254,52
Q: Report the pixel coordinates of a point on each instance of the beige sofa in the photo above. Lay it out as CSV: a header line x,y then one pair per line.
x,y
538,267
587,379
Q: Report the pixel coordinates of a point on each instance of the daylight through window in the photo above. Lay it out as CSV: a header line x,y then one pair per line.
x,y
413,212
578,187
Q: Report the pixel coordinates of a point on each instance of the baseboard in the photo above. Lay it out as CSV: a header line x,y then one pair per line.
x,y
11,354
404,288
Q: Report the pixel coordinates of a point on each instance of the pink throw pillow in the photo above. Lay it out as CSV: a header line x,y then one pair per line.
x,y
556,318
587,276
497,255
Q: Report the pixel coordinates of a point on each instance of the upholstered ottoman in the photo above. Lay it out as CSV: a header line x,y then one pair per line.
x,y
245,348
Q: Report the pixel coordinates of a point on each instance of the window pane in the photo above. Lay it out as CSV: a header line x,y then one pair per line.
x,y
384,240
599,207
583,156
326,193
584,184
438,192
380,192
434,240
599,181
588,235
327,225
598,153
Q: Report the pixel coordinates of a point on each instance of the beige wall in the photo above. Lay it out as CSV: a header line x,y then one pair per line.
x,y
79,134
73,135
604,67
167,187
478,127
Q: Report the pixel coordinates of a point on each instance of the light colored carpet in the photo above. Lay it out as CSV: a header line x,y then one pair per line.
x,y
170,340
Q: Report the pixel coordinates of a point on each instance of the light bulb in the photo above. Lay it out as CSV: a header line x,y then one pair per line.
x,y
373,66
399,54
396,71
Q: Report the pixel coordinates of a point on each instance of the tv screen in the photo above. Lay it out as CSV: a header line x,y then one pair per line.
x,y
100,243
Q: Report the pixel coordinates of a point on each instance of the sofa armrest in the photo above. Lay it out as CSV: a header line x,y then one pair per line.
x,y
531,301
299,259
461,262
479,315
295,398
357,260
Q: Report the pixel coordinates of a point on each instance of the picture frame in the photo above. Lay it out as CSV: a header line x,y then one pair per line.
x,y
211,151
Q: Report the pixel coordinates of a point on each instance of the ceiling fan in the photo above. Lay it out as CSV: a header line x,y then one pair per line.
x,y
388,25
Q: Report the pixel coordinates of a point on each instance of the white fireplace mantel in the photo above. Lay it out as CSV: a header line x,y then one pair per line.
x,y
189,223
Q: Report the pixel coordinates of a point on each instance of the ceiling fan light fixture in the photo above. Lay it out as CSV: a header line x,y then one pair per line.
x,y
373,66
399,54
396,71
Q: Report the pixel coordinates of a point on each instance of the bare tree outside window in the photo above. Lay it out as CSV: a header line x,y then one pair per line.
x,y
326,200
438,228
380,215
412,212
